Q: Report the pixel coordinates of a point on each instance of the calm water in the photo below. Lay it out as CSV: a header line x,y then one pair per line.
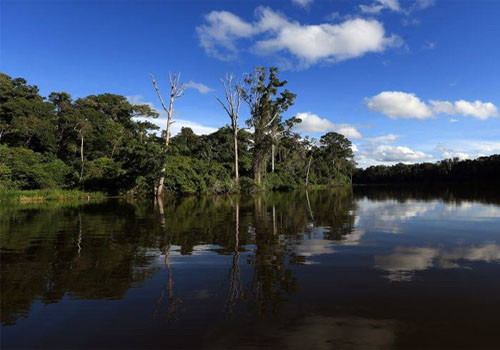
x,y
371,268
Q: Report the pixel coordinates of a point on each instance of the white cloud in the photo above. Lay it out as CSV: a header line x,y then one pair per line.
x,y
476,109
378,151
309,44
197,128
445,107
403,105
161,122
385,138
485,146
139,100
222,28
348,131
303,3
387,153
380,5
328,42
421,5
202,88
468,149
453,120
313,123
397,105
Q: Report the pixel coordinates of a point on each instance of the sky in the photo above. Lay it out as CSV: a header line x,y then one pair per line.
x,y
405,80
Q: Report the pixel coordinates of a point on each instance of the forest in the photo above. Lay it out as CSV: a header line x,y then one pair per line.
x,y
483,170
105,143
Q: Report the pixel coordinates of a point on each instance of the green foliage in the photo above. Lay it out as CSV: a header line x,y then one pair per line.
x,y
191,175
31,170
480,171
97,143
266,109
30,196
102,173
6,182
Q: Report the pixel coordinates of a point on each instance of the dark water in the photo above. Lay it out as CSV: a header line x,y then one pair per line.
x,y
372,268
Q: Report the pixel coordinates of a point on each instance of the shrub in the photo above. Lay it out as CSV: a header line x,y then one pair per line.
x,y
102,174
31,170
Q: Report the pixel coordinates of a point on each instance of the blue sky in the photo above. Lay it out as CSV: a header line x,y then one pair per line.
x,y
409,81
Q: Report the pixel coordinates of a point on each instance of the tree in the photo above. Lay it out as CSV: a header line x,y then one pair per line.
x,y
176,91
336,149
233,94
266,108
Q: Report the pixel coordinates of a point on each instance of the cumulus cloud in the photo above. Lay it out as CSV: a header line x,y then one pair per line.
x,y
202,88
313,123
387,153
398,105
381,151
467,149
218,34
309,44
403,105
476,109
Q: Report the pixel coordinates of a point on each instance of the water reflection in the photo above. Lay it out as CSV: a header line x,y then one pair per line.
x,y
281,269
406,260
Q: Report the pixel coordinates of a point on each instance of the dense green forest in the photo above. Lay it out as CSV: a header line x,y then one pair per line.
x,y
105,143
483,170
99,143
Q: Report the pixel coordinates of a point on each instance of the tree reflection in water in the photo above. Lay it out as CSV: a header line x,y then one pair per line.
x,y
323,265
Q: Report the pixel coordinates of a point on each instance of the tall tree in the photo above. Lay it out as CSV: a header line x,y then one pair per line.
x,y
233,94
336,149
266,108
176,91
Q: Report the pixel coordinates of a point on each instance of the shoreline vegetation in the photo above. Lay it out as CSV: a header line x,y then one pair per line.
x,y
104,143
99,146
29,196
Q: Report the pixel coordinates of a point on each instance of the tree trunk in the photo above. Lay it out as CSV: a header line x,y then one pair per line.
x,y
159,192
259,169
81,156
236,170
308,168
272,158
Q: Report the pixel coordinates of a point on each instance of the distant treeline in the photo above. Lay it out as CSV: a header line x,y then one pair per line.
x,y
106,143
478,171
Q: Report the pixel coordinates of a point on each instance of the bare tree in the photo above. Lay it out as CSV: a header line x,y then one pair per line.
x,y
308,169
82,128
176,91
234,95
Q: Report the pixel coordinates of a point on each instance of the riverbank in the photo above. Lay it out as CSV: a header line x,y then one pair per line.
x,y
48,195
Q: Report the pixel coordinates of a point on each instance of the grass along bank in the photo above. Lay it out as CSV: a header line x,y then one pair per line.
x,y
48,195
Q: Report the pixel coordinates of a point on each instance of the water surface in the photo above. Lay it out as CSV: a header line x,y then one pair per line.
x,y
371,268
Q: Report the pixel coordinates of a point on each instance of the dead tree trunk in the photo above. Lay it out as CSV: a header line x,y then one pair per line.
x,y
233,96
81,156
272,158
308,169
176,91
